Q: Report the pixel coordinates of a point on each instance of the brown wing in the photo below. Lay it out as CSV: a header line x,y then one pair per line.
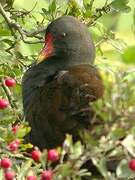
x,y
62,105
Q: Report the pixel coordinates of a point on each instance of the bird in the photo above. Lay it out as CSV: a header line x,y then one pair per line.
x,y
59,87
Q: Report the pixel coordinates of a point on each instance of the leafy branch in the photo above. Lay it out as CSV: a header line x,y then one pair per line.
x,y
14,26
99,13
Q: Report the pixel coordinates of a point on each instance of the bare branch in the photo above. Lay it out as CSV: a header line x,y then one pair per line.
x,y
33,33
11,47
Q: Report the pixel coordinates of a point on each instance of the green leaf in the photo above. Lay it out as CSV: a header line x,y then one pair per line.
x,y
120,6
117,134
64,170
88,4
74,8
24,147
52,6
129,77
45,11
67,143
8,41
77,150
102,167
87,14
129,55
129,144
1,173
24,169
116,152
123,170
88,138
2,132
44,158
4,32
22,132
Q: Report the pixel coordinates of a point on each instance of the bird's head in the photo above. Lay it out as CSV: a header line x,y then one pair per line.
x,y
68,39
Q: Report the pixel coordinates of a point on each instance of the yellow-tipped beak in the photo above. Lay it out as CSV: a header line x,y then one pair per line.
x,y
42,56
47,50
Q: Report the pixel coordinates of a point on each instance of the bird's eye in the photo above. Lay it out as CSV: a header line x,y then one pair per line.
x,y
62,35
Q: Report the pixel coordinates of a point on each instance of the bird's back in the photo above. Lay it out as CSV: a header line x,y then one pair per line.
x,y
60,103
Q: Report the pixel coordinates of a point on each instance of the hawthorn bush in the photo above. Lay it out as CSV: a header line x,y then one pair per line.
x,y
111,139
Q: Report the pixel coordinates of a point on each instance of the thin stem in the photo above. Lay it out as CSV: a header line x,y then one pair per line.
x,y
10,98
9,95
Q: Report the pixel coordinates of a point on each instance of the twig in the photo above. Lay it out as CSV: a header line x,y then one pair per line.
x,y
99,13
120,50
11,47
33,33
100,42
23,33
24,12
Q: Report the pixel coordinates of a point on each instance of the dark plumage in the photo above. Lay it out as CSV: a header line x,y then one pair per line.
x,y
58,88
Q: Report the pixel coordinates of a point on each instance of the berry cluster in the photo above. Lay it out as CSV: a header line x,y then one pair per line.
x,y
36,155
6,164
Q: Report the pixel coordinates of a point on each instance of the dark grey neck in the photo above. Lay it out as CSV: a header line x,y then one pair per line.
x,y
55,64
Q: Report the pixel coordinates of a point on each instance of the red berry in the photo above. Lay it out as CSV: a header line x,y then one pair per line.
x,y
53,155
47,175
15,129
6,163
132,164
13,146
3,103
10,82
9,175
36,155
31,177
